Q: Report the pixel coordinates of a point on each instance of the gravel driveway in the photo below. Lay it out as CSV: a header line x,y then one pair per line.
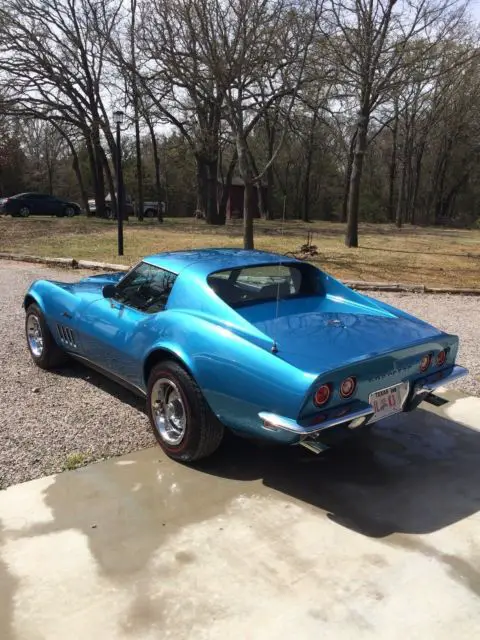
x,y
53,421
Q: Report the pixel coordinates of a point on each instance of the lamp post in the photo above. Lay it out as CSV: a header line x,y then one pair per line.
x,y
118,117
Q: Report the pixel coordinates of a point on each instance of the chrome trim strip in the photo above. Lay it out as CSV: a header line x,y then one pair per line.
x,y
287,424
426,388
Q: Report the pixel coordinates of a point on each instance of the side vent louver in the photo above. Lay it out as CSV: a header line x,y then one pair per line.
x,y
66,336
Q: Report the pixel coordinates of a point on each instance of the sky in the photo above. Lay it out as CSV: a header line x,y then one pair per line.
x,y
475,9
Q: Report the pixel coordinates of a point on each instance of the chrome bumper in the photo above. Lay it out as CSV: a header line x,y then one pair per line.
x,y
421,389
435,380
272,422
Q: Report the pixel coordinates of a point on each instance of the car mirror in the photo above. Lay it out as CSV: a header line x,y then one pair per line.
x,y
109,290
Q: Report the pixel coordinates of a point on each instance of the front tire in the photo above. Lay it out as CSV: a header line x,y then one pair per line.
x,y
181,420
44,351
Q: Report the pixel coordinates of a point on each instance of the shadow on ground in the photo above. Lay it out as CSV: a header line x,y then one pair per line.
x,y
415,473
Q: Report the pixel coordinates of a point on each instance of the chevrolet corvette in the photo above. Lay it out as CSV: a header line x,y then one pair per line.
x,y
262,344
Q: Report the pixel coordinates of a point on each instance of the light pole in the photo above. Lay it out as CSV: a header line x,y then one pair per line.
x,y
118,117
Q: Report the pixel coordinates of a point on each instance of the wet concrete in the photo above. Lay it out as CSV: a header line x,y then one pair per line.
x,y
378,539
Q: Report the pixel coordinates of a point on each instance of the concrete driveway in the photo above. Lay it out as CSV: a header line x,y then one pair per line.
x,y
377,541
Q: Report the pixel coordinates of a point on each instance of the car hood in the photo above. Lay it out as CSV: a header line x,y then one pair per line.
x,y
91,287
320,337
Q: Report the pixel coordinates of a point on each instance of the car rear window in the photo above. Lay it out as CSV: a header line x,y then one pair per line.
x,y
261,283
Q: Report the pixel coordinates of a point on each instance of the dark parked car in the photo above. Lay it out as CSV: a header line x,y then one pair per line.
x,y
26,204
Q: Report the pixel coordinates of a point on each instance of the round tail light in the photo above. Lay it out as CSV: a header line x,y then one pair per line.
x,y
348,387
322,395
425,362
441,358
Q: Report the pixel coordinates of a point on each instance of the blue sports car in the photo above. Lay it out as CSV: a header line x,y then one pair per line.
x,y
262,344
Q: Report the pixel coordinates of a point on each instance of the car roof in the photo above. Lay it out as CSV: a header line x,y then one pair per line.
x,y
28,193
215,259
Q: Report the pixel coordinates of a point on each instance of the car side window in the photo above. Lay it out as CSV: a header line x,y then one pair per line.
x,y
146,288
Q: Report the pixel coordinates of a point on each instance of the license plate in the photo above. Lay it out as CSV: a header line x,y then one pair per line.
x,y
388,401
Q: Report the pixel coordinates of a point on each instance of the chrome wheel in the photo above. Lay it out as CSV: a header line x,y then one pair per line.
x,y
168,411
34,335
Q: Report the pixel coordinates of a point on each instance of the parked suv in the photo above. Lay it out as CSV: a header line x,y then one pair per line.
x,y
150,209
26,204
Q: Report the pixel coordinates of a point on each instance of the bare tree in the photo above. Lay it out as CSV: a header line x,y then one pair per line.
x,y
170,77
61,72
372,43
136,107
240,45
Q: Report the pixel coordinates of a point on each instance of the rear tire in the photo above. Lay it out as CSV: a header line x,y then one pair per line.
x,y
44,351
181,419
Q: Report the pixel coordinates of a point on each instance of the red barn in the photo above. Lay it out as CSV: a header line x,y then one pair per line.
x,y
236,196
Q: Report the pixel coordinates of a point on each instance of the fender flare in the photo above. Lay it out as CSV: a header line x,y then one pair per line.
x,y
169,351
33,297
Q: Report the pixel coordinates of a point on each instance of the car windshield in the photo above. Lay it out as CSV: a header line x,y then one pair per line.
x,y
146,288
262,283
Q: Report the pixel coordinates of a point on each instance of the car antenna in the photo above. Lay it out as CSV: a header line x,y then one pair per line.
x,y
274,345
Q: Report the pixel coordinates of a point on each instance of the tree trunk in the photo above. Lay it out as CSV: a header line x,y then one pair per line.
x,y
351,236
222,206
156,162
416,188
393,167
139,170
96,168
248,208
249,191
401,191
306,194
308,169
138,146
449,201
81,184
75,166
202,188
271,135
409,178
348,177
261,200
211,213
78,173
111,185
50,178
269,193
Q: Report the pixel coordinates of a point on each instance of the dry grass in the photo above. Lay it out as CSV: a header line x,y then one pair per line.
x,y
428,256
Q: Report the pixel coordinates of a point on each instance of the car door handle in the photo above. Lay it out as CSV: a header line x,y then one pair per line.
x,y
65,314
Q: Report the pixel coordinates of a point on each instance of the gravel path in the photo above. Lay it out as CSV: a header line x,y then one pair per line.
x,y
47,418
52,421
455,314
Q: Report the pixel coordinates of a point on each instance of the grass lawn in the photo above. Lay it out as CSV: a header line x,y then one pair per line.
x,y
429,256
